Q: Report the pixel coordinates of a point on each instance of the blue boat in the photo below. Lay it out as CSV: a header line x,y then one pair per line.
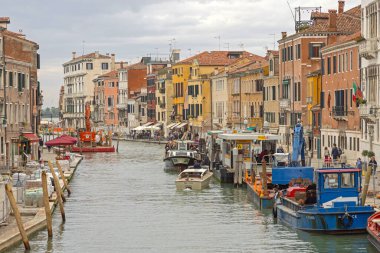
x,y
331,206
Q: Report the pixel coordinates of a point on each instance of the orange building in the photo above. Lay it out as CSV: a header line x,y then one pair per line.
x,y
340,115
106,95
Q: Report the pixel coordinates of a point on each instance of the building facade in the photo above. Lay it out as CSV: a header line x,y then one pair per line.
x,y
79,74
370,76
20,96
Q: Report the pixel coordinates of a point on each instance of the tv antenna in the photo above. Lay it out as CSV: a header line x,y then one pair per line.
x,y
218,37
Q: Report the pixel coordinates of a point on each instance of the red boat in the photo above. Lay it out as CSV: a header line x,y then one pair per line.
x,y
373,228
90,141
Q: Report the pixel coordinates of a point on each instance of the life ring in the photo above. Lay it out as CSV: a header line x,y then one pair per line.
x,y
346,220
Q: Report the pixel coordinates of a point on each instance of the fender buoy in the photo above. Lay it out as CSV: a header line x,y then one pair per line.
x,y
346,220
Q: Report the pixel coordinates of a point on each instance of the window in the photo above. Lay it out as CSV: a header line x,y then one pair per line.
x,y
334,64
236,86
285,88
104,65
89,66
219,110
347,180
297,91
10,78
271,64
219,85
371,16
351,60
330,181
328,65
298,51
259,85
273,92
315,50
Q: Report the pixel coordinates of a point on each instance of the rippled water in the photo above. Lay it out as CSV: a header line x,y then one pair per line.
x,y
126,203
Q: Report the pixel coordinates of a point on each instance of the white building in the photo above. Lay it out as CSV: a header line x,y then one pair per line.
x,y
370,71
123,96
79,74
219,99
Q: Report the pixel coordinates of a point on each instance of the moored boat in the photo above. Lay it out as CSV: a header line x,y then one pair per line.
x,y
194,179
332,206
373,229
180,156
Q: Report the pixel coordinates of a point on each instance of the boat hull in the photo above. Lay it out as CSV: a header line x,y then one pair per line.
x,y
98,149
223,175
373,229
178,163
261,202
194,184
326,220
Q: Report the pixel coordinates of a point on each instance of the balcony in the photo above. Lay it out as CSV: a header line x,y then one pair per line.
x,y
368,112
121,106
368,48
285,104
339,113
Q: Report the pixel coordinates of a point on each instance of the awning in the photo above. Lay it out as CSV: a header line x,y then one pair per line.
x,y
147,124
181,125
218,125
139,128
173,126
63,140
31,137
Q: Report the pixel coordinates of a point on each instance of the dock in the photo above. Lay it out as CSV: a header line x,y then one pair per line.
x,y
34,218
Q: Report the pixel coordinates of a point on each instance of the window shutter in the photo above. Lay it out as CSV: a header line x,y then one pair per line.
x,y
322,99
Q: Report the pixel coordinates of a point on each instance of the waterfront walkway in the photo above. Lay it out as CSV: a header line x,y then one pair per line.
x,y
34,218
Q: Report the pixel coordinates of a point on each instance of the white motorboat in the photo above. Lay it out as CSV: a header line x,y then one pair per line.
x,y
181,156
193,178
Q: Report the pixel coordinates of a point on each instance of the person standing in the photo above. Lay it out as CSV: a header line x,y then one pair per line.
x,y
373,163
343,159
335,153
359,163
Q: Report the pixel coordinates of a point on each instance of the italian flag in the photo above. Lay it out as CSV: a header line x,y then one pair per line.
x,y
355,88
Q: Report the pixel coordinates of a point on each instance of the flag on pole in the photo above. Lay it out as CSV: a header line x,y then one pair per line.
x,y
355,88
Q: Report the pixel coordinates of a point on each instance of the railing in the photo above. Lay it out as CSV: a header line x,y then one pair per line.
x,y
339,111
284,103
368,48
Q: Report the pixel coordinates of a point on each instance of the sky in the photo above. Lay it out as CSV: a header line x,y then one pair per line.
x,y
133,29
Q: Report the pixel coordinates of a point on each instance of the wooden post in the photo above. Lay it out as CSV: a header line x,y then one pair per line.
x,y
366,184
46,204
63,177
25,240
264,177
58,191
117,143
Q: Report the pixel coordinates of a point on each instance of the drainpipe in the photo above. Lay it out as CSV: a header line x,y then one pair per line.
x,y
5,107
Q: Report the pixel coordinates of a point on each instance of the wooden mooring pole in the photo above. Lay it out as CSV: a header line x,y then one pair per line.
x,y
63,177
55,177
16,212
58,191
46,204
366,184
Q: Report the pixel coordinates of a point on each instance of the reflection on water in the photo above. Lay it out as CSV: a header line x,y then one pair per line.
x,y
126,203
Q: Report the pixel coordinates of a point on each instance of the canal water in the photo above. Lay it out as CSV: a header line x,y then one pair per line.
x,y
125,202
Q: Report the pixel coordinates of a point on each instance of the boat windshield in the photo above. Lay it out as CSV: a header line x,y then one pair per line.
x,y
348,180
191,174
330,181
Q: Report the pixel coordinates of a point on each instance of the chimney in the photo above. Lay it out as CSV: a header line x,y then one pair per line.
x,y
4,21
283,35
96,54
112,61
332,21
121,64
340,6
74,55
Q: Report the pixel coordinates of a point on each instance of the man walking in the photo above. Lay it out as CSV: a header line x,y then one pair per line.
x,y
335,153
373,163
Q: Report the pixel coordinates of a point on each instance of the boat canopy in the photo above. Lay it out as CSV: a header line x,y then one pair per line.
x,y
250,136
212,132
194,170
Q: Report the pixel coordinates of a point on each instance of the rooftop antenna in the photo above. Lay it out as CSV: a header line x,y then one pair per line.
x,y
241,45
228,46
291,11
83,47
218,37
189,49
274,40
156,53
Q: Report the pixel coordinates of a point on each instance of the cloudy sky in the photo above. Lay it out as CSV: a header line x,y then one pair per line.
x,y
132,29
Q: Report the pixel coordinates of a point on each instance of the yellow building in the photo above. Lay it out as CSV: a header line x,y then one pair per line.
x,y
313,98
246,95
191,86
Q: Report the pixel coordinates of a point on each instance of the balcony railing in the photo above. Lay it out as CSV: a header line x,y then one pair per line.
x,y
339,111
285,104
368,111
368,48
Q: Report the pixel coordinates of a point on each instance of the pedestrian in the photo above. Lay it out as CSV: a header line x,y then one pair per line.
x,y
373,163
326,153
343,159
280,149
334,153
359,163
